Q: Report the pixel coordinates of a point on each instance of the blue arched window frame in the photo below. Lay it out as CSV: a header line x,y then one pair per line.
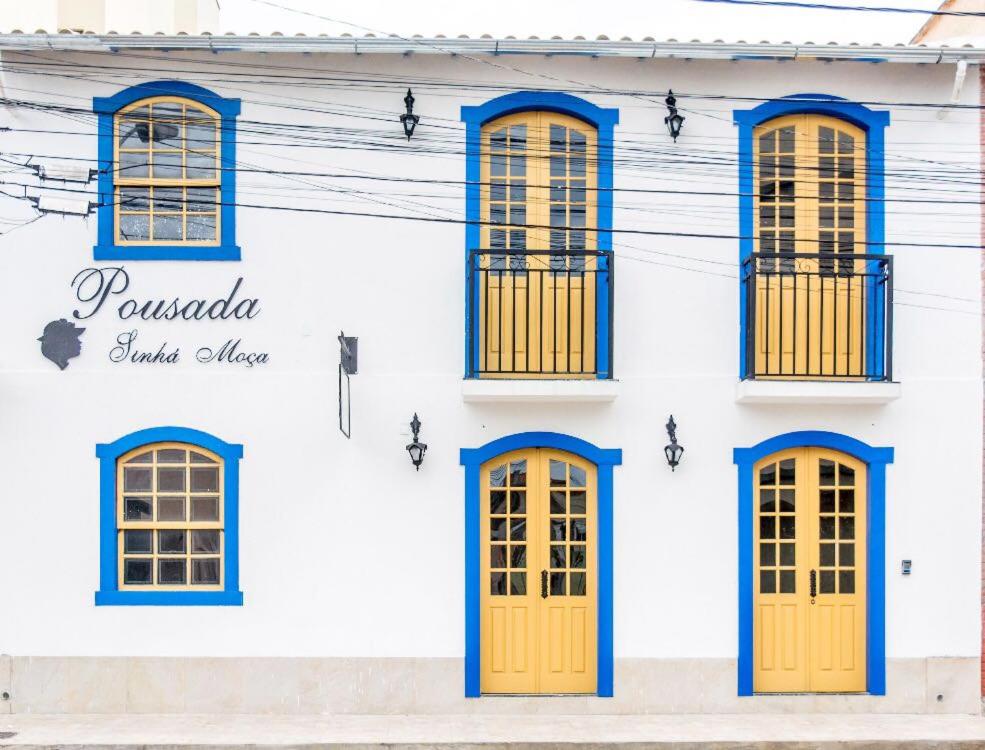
x,y
106,109
472,459
873,123
604,121
875,460
108,453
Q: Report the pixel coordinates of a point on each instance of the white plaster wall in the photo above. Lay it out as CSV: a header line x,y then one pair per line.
x,y
345,550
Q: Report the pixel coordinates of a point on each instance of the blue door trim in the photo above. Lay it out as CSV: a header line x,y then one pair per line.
x,y
108,453
106,108
472,459
604,121
875,460
874,123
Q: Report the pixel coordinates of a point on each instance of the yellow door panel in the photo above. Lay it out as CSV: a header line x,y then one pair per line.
x,y
809,556
809,200
538,194
539,569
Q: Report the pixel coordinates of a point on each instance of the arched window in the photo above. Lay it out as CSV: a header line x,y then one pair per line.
x,y
169,519
167,173
167,166
539,206
816,282
170,524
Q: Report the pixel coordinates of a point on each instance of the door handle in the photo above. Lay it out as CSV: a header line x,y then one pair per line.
x,y
813,585
543,584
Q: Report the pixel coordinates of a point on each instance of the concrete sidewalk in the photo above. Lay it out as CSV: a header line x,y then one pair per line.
x,y
680,732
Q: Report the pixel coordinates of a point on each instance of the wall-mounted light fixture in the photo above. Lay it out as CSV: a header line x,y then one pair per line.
x,y
409,119
673,450
416,449
673,120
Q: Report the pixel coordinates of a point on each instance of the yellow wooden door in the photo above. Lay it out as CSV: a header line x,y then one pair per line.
x,y
538,195
809,200
809,555
539,591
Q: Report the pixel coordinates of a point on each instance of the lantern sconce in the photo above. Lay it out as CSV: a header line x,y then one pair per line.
x,y
409,120
416,449
673,120
673,450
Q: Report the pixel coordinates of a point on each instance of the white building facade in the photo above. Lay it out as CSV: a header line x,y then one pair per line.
x,y
543,276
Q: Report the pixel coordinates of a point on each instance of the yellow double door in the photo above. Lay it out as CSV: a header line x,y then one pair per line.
x,y
539,574
809,615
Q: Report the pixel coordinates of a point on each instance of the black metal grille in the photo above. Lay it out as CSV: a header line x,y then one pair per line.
x,y
540,313
818,316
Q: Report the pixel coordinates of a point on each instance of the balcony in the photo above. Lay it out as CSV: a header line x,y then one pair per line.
x,y
814,318
540,315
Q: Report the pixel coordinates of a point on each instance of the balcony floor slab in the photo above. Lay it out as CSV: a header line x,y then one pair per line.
x,y
815,392
482,390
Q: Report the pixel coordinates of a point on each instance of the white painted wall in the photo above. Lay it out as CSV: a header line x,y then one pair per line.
x,y
345,550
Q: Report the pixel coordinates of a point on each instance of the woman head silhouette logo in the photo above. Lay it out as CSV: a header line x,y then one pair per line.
x,y
60,342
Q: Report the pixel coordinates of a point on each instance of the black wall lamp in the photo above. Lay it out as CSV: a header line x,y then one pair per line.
x,y
409,119
673,450
417,449
673,120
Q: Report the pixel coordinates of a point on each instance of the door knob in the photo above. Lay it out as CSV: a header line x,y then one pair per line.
x,y
543,584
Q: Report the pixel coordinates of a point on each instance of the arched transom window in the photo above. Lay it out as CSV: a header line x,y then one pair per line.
x,y
167,175
170,518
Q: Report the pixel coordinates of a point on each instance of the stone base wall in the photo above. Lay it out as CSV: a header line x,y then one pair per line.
x,y
135,685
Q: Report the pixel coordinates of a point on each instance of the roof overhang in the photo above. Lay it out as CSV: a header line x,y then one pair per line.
x,y
602,47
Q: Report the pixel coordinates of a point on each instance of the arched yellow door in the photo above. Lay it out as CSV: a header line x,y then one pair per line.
x,y
810,573
810,209
539,208
539,574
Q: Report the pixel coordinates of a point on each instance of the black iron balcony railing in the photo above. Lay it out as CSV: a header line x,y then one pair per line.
x,y
816,316
540,314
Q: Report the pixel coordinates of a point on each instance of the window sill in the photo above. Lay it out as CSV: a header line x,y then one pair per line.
x,y
170,598
480,390
815,392
165,252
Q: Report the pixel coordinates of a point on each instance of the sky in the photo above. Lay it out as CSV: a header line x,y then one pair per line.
x,y
683,20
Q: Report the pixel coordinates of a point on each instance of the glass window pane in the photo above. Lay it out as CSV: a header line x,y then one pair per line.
x,y
518,556
557,529
200,135
558,556
518,501
846,527
576,556
134,163
787,501
171,571
518,583
134,198
497,556
136,479
199,166
826,472
166,135
788,583
171,541
166,165
846,581
787,471
137,541
558,473
172,456
518,529
497,476
767,475
201,458
577,499
767,555
205,541
846,476
827,582
143,458
497,502
205,480
518,474
578,584
846,555
787,527
497,583
788,554
137,508
827,501
578,530
205,509
557,584
133,132
205,571
827,527
767,500
170,509
167,227
170,480
137,571
201,227
134,227
767,581
827,555
497,529
767,527
558,500
846,501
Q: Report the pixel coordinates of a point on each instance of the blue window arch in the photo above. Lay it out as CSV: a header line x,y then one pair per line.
x,y
109,592
873,123
604,120
106,108
472,459
876,460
